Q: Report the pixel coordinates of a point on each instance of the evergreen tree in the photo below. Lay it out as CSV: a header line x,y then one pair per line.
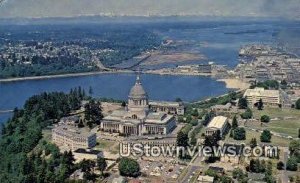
x,y
243,104
234,122
260,105
182,139
266,136
265,118
101,163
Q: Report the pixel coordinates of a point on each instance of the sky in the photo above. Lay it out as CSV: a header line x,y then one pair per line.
x,y
224,8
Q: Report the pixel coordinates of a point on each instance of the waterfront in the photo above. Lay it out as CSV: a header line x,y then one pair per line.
x,y
117,86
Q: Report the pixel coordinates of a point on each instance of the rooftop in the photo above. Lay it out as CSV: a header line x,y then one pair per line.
x,y
217,122
165,103
206,178
73,131
261,92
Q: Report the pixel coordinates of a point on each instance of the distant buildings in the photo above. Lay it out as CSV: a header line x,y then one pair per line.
x,y
73,138
225,110
167,107
141,117
201,68
218,123
269,97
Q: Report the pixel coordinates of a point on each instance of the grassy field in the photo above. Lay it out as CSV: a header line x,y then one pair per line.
x,y
108,145
288,120
277,141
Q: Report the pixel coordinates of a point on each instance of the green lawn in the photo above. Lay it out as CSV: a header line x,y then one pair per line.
x,y
285,126
108,145
253,134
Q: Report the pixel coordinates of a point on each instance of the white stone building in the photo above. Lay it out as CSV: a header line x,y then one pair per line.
x,y
218,123
137,118
269,97
72,138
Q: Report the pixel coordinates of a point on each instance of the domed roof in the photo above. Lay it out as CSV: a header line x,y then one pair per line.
x,y
137,91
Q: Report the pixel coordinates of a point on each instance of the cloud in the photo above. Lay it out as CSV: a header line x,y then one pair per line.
x,y
69,8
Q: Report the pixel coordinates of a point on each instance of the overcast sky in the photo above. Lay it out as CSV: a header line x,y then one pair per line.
x,y
69,8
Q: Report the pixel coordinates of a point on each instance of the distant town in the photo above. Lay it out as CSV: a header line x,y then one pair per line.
x,y
75,137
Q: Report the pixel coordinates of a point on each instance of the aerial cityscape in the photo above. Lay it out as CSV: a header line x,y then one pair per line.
x,y
141,91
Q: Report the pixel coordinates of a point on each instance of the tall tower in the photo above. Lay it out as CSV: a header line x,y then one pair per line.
x,y
138,104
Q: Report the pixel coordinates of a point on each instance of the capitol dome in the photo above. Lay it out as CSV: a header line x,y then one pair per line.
x,y
137,91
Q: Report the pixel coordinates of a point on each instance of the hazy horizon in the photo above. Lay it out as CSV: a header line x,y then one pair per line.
x,y
288,9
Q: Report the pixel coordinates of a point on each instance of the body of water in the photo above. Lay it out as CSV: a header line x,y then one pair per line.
x,y
117,86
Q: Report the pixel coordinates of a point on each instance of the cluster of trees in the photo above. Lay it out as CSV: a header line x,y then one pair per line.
x,y
237,133
216,101
239,175
22,133
93,112
129,167
257,166
247,114
53,66
294,158
122,46
269,84
218,177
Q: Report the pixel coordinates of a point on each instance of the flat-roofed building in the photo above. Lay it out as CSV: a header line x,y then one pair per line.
x,y
80,154
225,110
167,107
218,123
73,138
269,97
205,179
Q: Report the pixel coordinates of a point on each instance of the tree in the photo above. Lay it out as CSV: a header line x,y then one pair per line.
x,y
291,164
91,91
260,104
194,122
195,113
266,136
280,165
129,167
123,104
188,119
239,134
242,104
182,139
178,100
93,112
297,104
238,174
234,123
294,147
253,143
265,118
101,163
247,114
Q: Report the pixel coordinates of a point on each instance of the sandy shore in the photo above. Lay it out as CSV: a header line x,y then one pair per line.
x,y
235,84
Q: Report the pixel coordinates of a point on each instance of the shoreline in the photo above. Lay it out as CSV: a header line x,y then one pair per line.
x,y
231,83
158,72
234,83
62,75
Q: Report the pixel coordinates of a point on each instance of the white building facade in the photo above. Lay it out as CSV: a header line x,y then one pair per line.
x,y
137,118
